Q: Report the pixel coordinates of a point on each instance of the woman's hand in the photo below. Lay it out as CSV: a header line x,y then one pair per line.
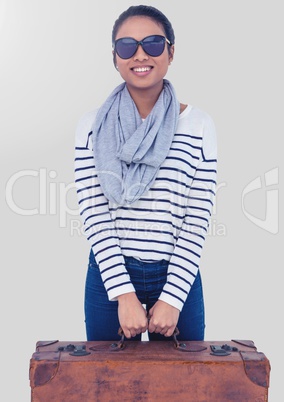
x,y
132,315
163,318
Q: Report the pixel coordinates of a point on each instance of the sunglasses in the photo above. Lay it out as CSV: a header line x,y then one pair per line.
x,y
153,45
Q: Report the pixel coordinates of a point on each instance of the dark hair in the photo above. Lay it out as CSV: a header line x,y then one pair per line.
x,y
145,11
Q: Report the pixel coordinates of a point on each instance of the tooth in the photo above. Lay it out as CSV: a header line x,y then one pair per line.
x,y
141,69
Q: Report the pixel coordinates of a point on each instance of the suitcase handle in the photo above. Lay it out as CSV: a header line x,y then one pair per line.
x,y
183,347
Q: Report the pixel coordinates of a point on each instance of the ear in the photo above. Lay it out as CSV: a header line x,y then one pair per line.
x,y
114,59
171,53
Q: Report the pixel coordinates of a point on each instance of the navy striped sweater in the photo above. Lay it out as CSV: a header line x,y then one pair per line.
x,y
169,222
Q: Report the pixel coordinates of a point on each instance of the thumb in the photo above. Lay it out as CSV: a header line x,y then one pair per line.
x,y
150,313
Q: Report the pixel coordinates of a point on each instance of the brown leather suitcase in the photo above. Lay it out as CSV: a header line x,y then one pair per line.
x,y
149,371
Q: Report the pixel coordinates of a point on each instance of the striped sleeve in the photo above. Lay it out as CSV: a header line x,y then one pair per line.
x,y
184,262
95,215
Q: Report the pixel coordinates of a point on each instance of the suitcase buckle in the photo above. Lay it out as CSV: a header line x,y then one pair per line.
x,y
78,350
224,350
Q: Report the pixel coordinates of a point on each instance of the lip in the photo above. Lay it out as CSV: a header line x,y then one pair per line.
x,y
141,70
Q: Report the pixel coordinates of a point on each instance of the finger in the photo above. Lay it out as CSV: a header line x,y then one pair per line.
x,y
151,328
155,327
133,333
163,331
127,333
142,328
170,331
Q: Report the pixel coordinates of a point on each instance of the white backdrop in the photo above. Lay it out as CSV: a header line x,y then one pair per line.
x,y
56,64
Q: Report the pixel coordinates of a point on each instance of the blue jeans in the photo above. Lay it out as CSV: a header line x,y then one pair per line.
x,y
101,317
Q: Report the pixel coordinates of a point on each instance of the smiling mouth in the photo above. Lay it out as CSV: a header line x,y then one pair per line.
x,y
141,69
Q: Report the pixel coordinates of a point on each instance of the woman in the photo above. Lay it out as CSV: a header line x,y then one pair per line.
x,y
146,175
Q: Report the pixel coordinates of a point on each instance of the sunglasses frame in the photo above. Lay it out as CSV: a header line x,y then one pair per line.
x,y
140,42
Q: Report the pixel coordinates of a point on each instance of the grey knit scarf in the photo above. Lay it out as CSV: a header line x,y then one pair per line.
x,y
128,151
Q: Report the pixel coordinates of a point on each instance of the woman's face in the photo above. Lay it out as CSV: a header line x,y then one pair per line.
x,y
154,69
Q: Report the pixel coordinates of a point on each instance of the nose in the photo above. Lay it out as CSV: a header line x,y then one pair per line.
x,y
140,54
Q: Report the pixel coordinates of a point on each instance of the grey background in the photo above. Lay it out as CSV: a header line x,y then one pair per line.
x,y
56,64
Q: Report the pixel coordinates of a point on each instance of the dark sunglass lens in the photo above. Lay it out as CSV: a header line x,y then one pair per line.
x,y
125,47
154,45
